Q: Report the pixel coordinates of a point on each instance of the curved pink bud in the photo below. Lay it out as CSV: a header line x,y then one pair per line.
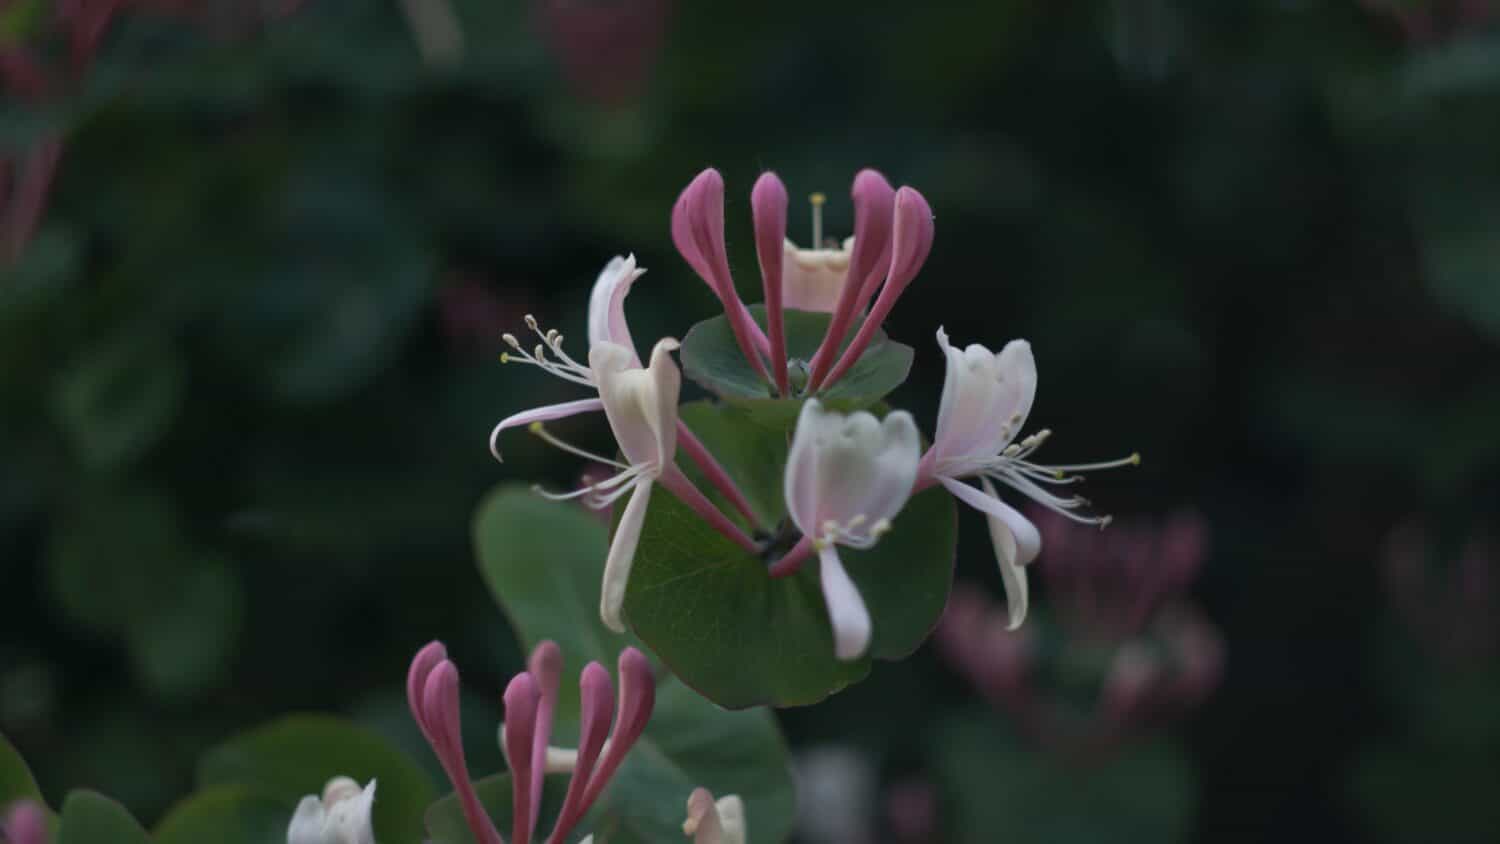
x,y
912,232
637,698
545,665
874,200
594,718
768,203
416,682
698,233
440,713
522,700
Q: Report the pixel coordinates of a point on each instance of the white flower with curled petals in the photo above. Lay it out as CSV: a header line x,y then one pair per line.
x,y
986,399
606,325
341,816
847,476
711,821
641,404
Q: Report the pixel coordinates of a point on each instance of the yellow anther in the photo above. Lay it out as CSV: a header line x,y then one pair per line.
x,y
817,199
535,427
505,357
530,322
1135,458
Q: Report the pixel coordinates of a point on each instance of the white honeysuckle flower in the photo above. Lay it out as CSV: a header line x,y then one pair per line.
x,y
812,279
711,821
847,476
606,325
341,816
641,404
986,399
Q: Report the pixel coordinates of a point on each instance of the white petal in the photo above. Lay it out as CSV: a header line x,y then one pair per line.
x,y
846,609
607,303
986,399
812,279
542,414
842,467
307,823
641,403
732,819
621,557
348,820
1016,541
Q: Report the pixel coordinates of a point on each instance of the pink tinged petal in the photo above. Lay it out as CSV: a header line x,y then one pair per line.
x,y
621,557
874,201
846,609
702,823
607,302
801,484
597,693
667,379
440,711
1015,539
768,203
641,403
637,699
27,823
912,233
416,682
545,665
542,414
522,700
698,232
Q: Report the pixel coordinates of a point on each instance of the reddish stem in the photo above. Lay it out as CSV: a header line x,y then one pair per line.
x,y
678,484
714,471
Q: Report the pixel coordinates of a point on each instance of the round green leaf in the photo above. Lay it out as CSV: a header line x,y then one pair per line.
x,y
711,357
742,638
89,817
228,814
297,755
543,559
16,781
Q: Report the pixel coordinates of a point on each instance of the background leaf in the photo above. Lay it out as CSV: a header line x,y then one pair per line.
x,y
226,814
297,755
542,560
89,817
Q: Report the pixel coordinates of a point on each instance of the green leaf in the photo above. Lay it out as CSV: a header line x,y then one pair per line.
x,y
187,645
694,596
1002,790
16,781
89,817
119,400
711,357
543,559
229,814
297,755
446,823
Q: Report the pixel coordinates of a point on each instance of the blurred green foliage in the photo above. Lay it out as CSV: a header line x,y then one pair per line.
x,y
248,361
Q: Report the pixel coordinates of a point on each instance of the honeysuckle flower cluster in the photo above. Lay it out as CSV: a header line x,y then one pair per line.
x,y
340,816
432,685
848,475
1121,607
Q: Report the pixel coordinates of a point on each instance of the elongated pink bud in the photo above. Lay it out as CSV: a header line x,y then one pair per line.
x,y
874,202
416,683
440,711
597,694
768,203
698,232
637,698
522,699
912,233
545,665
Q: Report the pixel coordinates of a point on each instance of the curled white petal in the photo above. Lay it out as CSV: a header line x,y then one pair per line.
x,y
641,403
546,413
607,304
1016,541
307,822
341,816
986,399
846,609
850,471
621,557
812,279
